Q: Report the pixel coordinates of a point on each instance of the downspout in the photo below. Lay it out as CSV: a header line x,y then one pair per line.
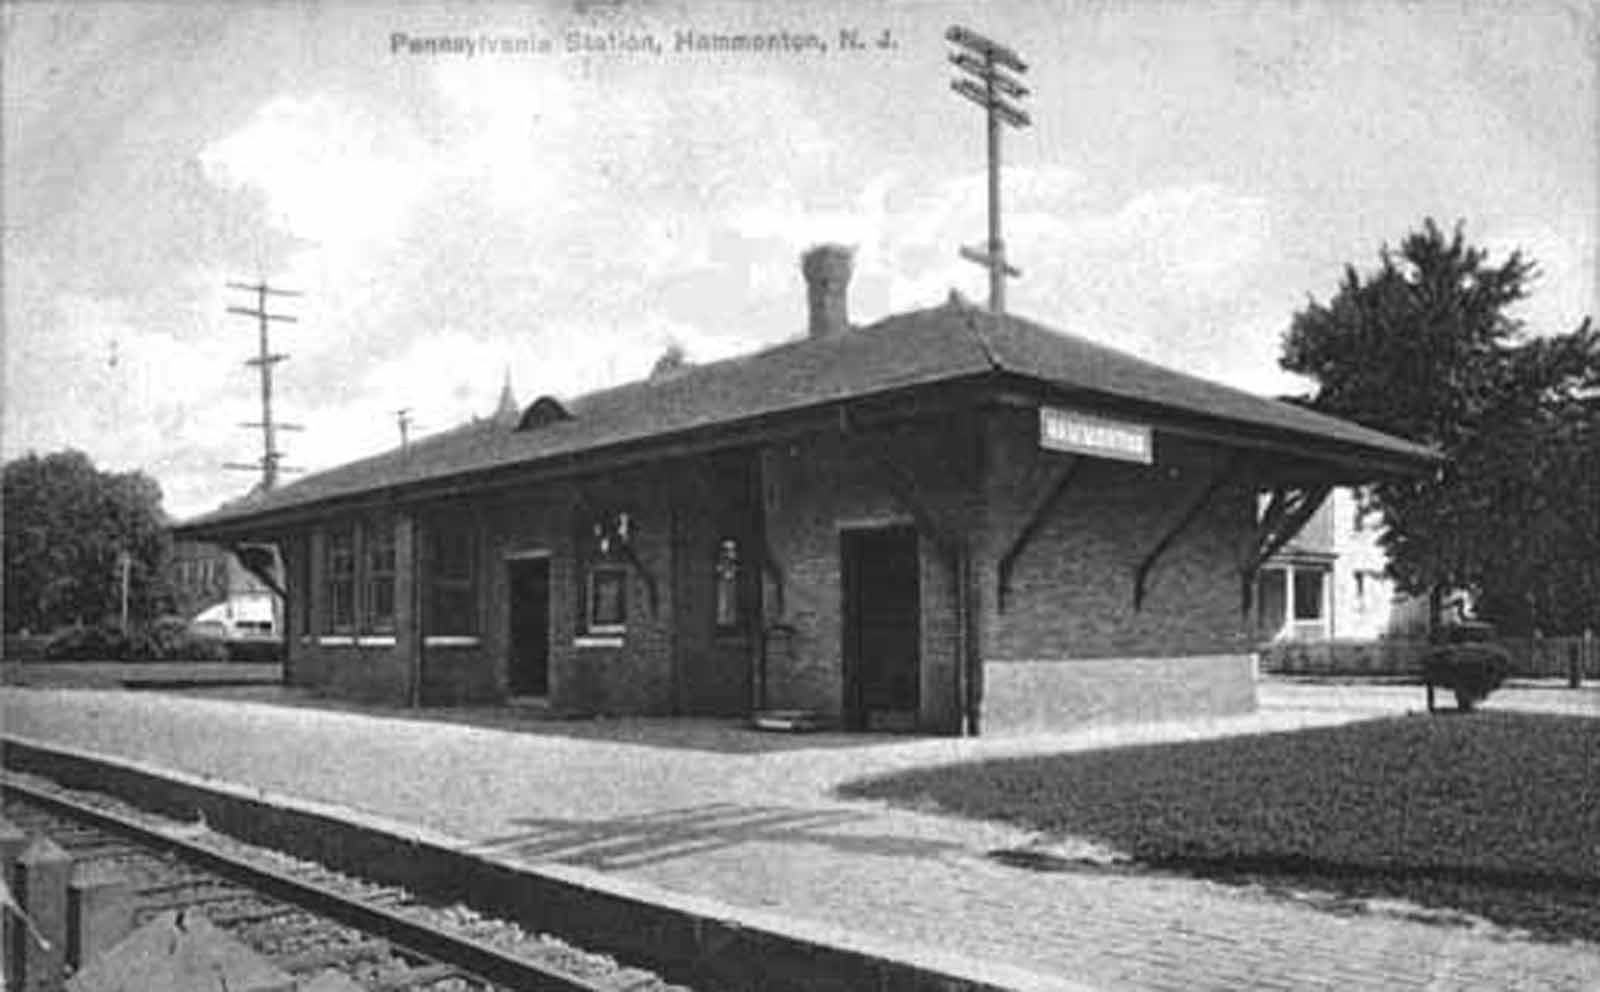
x,y
967,719
415,633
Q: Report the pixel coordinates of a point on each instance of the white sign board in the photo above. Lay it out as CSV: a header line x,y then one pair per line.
x,y
1066,430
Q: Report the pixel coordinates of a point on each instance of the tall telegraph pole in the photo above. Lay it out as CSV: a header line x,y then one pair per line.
x,y
988,85
265,359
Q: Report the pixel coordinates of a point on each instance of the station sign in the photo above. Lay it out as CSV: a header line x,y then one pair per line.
x,y
1068,430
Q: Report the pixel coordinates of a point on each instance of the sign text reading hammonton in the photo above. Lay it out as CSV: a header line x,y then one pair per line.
x,y
1066,430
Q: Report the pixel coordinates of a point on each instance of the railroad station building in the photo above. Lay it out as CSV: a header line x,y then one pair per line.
x,y
946,521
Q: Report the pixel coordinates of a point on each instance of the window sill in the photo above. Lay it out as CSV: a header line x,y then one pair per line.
x,y
598,641
351,641
450,641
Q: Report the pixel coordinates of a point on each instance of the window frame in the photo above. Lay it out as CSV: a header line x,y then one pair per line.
x,y
727,588
461,586
612,571
379,536
1320,599
341,538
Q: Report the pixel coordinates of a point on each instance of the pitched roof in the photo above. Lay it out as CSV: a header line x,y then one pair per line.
x,y
945,343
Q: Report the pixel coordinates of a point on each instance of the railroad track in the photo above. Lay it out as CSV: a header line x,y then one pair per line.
x,y
302,917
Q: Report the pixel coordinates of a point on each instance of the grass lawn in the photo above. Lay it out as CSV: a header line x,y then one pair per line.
x,y
1496,814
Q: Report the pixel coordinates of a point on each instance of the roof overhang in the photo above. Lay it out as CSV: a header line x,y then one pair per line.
x,y
1284,457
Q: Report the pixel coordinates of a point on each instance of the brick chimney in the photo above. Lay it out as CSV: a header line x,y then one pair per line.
x,y
827,272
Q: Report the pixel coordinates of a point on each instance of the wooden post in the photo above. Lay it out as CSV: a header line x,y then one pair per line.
x,y
99,913
12,842
42,873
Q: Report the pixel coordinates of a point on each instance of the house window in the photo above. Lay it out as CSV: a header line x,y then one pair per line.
x,y
380,578
727,579
607,607
340,579
452,596
1307,594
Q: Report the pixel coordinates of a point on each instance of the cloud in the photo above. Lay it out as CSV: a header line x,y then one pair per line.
x,y
329,171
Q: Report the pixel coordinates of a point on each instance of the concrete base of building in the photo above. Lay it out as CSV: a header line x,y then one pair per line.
x,y
1065,694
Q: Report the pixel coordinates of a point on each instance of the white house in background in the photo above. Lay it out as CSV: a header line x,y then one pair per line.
x,y
1330,582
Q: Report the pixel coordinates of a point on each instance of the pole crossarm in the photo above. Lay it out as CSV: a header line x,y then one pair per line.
x,y
987,85
992,51
270,463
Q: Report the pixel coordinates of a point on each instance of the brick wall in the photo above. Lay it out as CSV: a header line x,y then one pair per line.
x,y
814,489
633,678
1070,646
1072,588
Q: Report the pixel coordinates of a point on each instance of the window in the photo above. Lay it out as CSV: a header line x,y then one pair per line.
x,y
452,598
340,580
729,616
1307,594
380,578
607,611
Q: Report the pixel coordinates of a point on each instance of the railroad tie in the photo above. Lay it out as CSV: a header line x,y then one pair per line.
x,y
326,957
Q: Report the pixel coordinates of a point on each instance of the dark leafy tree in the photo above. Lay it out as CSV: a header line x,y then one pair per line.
x,y
1424,348
67,525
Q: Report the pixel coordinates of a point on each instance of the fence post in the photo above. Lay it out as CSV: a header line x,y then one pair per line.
x,y
12,841
99,913
1575,664
42,872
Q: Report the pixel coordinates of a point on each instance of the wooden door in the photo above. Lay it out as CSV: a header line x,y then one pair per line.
x,y
882,627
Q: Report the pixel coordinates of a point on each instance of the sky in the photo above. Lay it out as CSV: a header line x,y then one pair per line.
x,y
1195,172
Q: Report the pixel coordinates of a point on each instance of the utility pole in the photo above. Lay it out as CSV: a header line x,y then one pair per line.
x,y
402,417
265,359
986,63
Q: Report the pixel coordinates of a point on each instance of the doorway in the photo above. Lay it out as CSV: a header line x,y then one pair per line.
x,y
882,627
528,665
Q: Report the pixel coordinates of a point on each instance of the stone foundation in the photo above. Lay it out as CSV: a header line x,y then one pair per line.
x,y
1069,694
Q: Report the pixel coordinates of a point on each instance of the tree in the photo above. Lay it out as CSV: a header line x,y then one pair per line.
x,y
67,525
1424,348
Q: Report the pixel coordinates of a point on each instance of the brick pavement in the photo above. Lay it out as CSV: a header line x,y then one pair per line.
x,y
722,813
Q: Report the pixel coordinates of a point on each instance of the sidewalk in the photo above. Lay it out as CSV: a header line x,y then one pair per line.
x,y
744,818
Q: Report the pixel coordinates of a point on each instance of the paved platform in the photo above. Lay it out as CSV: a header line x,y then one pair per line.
x,y
716,811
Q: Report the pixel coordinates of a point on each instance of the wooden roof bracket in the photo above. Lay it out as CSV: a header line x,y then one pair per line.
x,y
651,587
1286,513
258,559
902,486
1228,472
1044,503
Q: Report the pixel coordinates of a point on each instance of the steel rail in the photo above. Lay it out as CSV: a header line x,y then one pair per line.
x,y
483,961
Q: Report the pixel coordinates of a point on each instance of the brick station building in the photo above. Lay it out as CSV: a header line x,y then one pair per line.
x,y
943,521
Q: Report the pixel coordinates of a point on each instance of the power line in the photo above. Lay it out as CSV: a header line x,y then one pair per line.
x,y
987,63
271,458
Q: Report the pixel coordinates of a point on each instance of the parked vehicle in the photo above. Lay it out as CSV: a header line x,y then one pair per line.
x,y
247,626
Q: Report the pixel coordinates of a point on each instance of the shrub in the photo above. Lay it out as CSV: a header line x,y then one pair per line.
x,y
1471,671
165,639
101,642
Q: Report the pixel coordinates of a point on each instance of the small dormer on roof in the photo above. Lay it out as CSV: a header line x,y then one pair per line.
x,y
542,412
